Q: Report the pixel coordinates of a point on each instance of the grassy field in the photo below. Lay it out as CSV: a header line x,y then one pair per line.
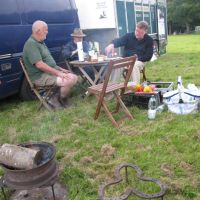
x,y
88,151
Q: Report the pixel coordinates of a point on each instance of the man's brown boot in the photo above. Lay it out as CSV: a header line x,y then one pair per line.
x,y
55,103
64,102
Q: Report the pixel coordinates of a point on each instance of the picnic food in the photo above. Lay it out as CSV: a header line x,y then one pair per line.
x,y
147,89
139,88
152,87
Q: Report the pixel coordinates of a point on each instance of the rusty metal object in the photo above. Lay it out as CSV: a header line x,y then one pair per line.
x,y
45,173
128,192
61,193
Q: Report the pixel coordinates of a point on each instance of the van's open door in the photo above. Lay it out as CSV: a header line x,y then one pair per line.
x,y
162,25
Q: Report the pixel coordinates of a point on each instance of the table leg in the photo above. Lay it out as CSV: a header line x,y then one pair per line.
x,y
86,75
99,74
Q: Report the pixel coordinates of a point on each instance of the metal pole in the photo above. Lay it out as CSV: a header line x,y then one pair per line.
x,y
54,197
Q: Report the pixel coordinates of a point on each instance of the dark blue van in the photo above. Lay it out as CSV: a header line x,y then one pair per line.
x,y
16,19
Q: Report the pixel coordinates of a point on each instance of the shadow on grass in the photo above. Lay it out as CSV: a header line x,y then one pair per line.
x,y
10,102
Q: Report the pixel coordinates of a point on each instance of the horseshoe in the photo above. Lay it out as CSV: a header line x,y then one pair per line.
x,y
128,192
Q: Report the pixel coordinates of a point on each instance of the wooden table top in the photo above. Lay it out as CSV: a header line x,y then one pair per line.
x,y
80,63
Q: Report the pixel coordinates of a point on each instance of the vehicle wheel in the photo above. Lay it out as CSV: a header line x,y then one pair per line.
x,y
155,48
26,93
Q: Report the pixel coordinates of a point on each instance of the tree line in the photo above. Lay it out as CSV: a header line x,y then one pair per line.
x,y
183,15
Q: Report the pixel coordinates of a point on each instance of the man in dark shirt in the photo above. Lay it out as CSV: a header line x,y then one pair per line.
x,y
139,43
70,51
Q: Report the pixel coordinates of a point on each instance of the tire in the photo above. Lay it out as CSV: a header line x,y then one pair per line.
x,y
26,93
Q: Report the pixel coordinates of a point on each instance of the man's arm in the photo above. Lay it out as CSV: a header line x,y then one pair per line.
x,y
110,50
50,70
68,51
117,42
120,42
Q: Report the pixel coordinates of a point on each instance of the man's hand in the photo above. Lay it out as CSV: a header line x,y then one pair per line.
x,y
64,70
74,52
110,50
62,75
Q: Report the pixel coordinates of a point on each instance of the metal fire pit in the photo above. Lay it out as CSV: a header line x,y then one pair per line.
x,y
44,174
129,191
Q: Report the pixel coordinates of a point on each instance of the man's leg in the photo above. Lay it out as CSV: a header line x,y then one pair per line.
x,y
136,71
50,80
65,85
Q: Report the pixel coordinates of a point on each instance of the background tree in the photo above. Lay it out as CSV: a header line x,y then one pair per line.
x,y
183,15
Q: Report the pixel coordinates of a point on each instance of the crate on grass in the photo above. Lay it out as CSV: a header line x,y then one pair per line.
x,y
163,86
140,99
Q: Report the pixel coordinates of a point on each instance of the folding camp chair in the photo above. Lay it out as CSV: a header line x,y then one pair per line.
x,y
144,78
43,93
118,89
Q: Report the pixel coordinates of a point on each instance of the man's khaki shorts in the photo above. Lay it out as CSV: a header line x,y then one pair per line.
x,y
46,80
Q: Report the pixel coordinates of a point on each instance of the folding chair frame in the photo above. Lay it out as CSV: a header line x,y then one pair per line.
x,y
144,78
48,91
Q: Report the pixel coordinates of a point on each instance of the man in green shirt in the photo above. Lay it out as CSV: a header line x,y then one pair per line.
x,y
42,68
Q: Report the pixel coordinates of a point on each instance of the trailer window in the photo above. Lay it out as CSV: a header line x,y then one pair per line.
x,y
51,11
9,12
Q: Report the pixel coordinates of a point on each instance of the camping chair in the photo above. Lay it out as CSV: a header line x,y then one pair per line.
x,y
43,93
144,78
143,74
101,90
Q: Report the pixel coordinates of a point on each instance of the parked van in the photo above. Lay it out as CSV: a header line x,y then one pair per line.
x,y
16,19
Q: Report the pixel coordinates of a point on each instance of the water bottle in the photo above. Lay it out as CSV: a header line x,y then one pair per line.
x,y
180,88
152,107
152,103
179,81
94,56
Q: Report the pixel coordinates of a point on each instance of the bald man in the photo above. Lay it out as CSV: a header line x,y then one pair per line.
x,y
42,68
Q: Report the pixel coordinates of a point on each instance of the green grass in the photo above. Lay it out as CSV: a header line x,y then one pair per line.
x,y
167,148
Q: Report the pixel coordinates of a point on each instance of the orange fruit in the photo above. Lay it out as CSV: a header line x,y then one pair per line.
x,y
137,87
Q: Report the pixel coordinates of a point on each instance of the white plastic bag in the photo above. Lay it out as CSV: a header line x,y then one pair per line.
x,y
186,105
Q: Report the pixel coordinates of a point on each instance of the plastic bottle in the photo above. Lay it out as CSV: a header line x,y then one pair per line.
x,y
94,56
180,88
96,46
152,107
90,51
179,81
152,103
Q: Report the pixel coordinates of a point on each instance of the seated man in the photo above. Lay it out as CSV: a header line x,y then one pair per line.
x,y
70,51
42,68
139,43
